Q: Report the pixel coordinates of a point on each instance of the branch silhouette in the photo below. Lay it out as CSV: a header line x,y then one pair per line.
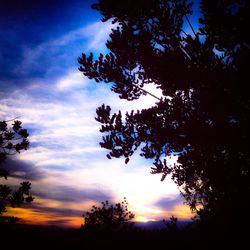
x,y
205,121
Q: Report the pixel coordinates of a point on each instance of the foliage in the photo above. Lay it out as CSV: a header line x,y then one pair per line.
x,y
12,140
203,114
14,198
108,217
171,225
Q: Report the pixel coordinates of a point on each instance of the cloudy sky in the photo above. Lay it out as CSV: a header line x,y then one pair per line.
x,y
40,42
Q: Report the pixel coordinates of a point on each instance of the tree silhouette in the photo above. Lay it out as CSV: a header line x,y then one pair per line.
x,y
108,217
203,114
171,225
12,140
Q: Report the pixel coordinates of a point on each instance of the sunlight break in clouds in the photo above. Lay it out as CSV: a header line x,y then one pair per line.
x,y
59,114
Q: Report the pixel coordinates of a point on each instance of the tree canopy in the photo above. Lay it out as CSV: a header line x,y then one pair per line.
x,y
13,139
204,111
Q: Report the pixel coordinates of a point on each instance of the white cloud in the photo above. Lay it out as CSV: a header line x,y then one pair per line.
x,y
68,137
72,80
99,33
96,34
60,115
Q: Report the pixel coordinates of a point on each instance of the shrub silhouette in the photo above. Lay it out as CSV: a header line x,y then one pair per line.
x,y
171,225
108,217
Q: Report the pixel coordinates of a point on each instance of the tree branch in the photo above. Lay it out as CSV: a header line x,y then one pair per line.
x,y
191,26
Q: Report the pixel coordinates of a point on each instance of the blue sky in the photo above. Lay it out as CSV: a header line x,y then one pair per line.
x,y
40,42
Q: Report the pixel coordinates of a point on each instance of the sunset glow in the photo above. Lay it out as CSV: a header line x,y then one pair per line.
x,y
68,169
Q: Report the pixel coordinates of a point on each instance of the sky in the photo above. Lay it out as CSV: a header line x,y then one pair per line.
x,y
40,42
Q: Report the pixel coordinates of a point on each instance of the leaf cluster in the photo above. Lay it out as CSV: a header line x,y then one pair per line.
x,y
8,197
204,113
13,140
108,217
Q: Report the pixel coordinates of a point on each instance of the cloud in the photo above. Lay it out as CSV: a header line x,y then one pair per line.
x,y
58,109
72,194
62,212
169,203
62,52
55,217
67,201
28,24
72,80
95,35
99,32
65,145
23,170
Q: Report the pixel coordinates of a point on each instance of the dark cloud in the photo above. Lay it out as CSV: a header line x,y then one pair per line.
x,y
23,170
66,194
62,212
59,223
71,194
169,203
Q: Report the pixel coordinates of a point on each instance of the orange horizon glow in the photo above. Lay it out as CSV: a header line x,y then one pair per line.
x,y
32,217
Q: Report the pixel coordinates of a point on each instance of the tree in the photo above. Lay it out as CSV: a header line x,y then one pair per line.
x,y
12,140
108,217
203,114
171,225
